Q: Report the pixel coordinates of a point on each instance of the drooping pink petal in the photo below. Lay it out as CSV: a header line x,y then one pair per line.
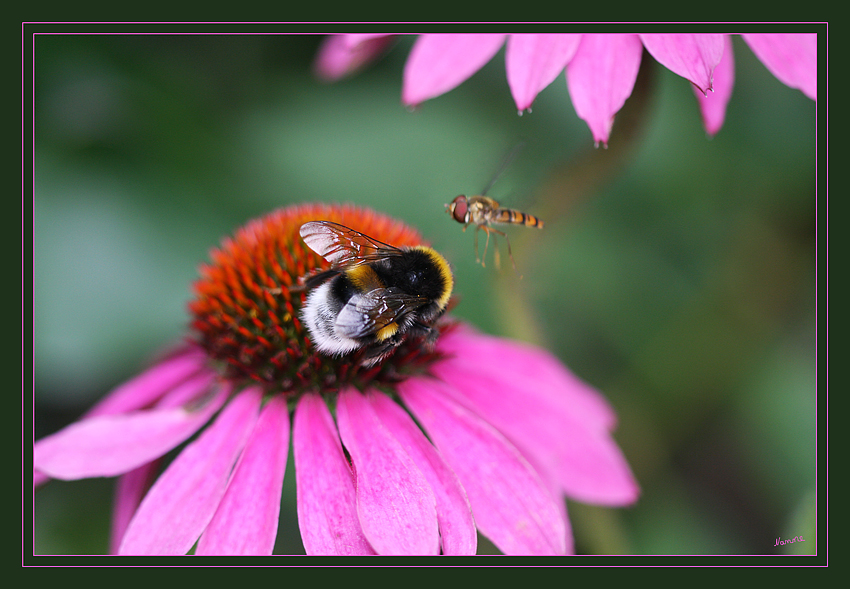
x,y
601,77
327,508
592,469
559,422
343,55
511,504
791,57
396,506
130,488
581,457
246,521
534,61
109,445
548,379
713,105
454,515
692,56
147,388
183,500
439,62
355,39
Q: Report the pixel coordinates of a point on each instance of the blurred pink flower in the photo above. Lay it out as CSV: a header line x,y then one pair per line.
x,y
510,431
601,69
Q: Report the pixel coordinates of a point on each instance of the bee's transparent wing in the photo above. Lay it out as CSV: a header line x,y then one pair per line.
x,y
342,246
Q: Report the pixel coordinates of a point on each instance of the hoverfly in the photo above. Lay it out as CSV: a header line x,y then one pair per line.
x,y
485,212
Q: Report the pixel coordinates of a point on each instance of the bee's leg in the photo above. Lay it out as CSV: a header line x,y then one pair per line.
x,y
378,352
314,280
426,332
294,289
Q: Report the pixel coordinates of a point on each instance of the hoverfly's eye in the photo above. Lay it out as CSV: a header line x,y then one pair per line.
x,y
460,207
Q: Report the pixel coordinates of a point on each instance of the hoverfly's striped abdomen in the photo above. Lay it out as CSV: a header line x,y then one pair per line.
x,y
514,217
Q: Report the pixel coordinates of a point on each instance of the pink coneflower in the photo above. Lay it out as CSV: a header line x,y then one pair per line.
x,y
600,68
414,455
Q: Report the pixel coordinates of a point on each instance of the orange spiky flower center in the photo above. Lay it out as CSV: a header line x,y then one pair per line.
x,y
247,306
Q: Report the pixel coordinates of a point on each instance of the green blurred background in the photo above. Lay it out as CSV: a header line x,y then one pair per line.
x,y
676,272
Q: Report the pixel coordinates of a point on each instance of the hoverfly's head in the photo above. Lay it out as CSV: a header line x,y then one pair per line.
x,y
459,209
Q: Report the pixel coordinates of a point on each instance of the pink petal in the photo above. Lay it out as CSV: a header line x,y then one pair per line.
x,y
343,55
327,513
396,506
549,381
109,445
130,488
534,61
792,58
246,520
352,40
511,504
568,529
569,444
454,515
39,478
584,460
713,105
440,62
147,388
183,500
600,77
693,57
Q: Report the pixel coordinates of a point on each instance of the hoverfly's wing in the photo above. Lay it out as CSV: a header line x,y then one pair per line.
x,y
366,314
506,161
344,247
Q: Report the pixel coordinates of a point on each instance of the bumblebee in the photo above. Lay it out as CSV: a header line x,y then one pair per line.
x,y
374,295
